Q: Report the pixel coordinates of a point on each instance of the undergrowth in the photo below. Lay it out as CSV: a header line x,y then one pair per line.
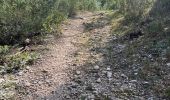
x,y
13,62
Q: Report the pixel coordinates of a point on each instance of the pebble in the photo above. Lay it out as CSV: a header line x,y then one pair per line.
x,y
2,80
48,81
91,97
40,82
165,29
20,73
124,87
146,82
90,87
109,74
44,71
96,67
68,97
78,72
133,81
74,85
108,69
31,71
168,64
104,72
135,73
164,59
65,28
95,92
123,75
98,80
150,56
27,84
27,67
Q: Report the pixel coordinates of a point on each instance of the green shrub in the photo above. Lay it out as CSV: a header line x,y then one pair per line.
x,y
18,18
167,92
155,27
18,61
4,50
54,19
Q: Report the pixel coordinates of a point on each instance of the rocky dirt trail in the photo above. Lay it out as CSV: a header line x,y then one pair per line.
x,y
53,68
91,61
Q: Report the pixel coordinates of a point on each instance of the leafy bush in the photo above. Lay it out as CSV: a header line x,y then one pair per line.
x,y
4,50
155,27
160,7
17,61
18,18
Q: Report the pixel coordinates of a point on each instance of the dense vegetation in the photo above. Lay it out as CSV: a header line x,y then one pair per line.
x,y
20,19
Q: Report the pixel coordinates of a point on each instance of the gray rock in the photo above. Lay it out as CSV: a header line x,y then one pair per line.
x,y
98,80
20,74
68,97
95,92
109,74
124,87
96,67
123,75
65,28
164,58
27,84
135,73
168,64
2,80
104,72
133,81
78,72
165,29
145,82
108,68
91,97
27,67
74,85
90,87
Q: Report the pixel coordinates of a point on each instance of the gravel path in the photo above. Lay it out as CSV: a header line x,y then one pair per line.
x,y
53,69
91,61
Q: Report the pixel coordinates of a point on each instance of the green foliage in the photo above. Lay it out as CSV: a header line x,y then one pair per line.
x,y
19,61
160,7
9,63
167,92
155,27
4,49
53,20
18,18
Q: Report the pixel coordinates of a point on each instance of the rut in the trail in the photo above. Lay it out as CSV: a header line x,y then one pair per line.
x,y
52,69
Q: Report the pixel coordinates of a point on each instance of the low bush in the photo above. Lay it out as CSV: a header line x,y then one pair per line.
x,y
19,18
12,63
